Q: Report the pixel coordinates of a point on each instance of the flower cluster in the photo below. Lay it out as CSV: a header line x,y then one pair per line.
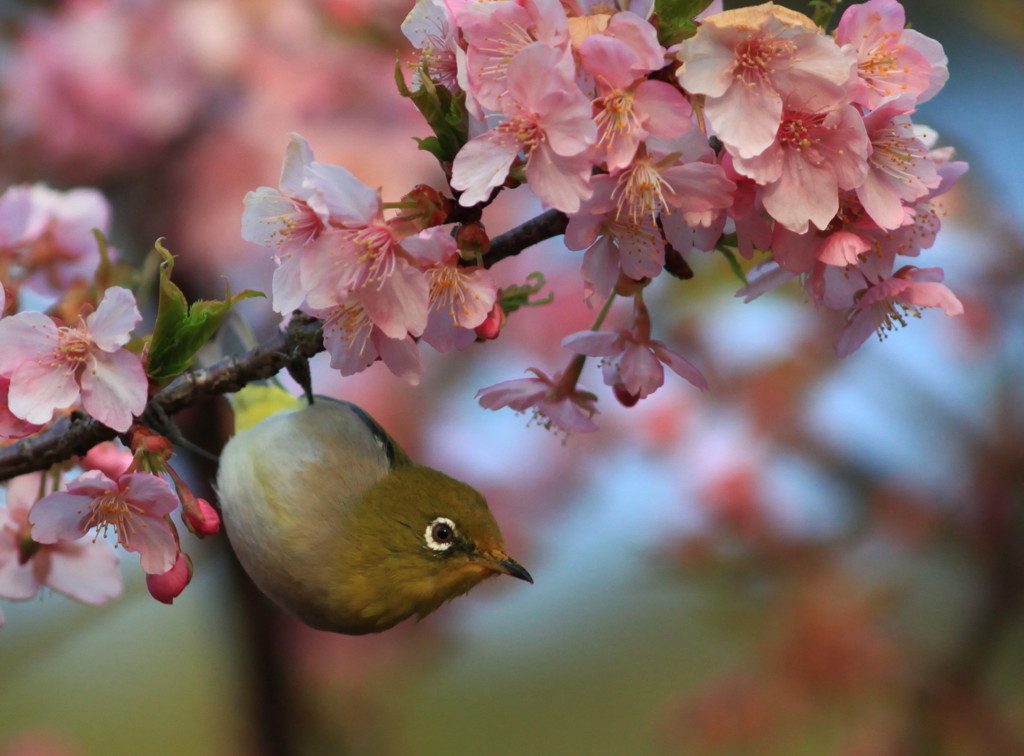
x,y
755,132
378,284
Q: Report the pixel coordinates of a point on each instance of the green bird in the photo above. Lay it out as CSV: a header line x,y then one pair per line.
x,y
332,520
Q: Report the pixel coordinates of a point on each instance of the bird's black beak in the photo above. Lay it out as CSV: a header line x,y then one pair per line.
x,y
506,565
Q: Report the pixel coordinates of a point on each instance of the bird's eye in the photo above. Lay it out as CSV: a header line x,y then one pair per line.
x,y
440,534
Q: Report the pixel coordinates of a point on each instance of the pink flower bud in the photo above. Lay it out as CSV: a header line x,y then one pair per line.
x,y
492,324
200,517
168,586
110,458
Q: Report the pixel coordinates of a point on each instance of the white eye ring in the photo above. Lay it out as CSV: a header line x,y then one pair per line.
x,y
440,534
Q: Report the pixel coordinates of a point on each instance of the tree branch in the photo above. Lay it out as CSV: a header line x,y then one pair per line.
x,y
75,434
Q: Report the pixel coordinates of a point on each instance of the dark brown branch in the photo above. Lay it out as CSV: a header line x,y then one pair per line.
x,y
75,435
544,226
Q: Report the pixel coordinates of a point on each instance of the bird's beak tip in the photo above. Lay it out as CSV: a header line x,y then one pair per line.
x,y
506,565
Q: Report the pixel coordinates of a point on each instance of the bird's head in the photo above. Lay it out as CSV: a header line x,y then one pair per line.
x,y
416,539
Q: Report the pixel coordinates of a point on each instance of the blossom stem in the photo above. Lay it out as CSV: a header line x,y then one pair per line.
x,y
604,313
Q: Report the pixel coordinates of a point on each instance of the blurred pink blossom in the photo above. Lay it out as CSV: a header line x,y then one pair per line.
x,y
82,570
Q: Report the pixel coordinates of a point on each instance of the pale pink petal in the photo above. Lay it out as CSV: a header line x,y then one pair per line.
x,y
297,157
61,516
930,294
151,493
86,571
287,292
446,336
111,325
595,343
518,393
567,416
663,110
861,325
842,248
745,118
680,365
23,337
600,267
335,194
560,182
482,164
38,389
115,388
17,581
641,372
400,303
154,542
268,217
402,357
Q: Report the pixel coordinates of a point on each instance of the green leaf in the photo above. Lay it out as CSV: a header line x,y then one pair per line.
x,y
444,112
675,19
518,295
730,257
181,329
822,11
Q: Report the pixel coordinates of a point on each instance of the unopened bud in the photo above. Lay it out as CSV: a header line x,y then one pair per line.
x,y
492,324
147,440
110,458
200,517
625,398
424,207
168,586
472,241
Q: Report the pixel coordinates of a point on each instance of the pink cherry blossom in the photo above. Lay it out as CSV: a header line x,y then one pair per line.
x,y
430,28
495,34
817,153
632,359
461,297
134,508
12,426
629,108
53,367
746,61
552,403
86,571
547,118
48,234
354,343
885,304
892,61
900,168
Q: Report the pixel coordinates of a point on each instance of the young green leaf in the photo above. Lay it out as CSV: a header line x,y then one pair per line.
x,y
181,330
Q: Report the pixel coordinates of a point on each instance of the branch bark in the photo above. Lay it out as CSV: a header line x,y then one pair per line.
x,y
74,435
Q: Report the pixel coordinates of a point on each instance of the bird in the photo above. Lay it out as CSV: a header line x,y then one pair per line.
x,y
334,523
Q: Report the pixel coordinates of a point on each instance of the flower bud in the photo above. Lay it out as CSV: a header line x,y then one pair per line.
x,y
168,586
625,398
492,324
472,241
200,517
147,440
110,458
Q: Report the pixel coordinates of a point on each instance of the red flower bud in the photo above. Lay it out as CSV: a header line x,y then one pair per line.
x,y
200,517
169,585
492,324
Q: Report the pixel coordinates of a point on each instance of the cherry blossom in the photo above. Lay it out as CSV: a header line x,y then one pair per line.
x,y
82,570
631,359
817,153
548,118
133,508
885,305
354,343
46,236
900,167
892,61
557,400
461,297
52,367
746,61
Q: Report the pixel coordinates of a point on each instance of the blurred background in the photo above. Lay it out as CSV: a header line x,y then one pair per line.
x,y
811,557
